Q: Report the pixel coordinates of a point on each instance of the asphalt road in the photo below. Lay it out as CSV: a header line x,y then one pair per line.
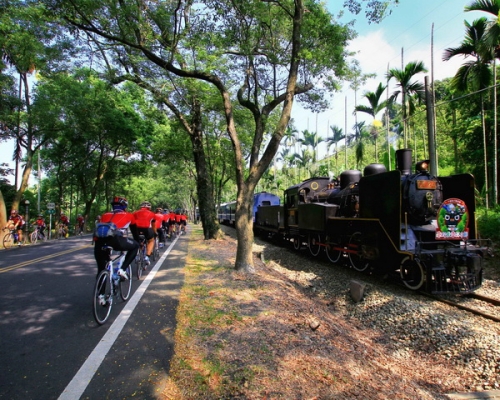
x,y
50,345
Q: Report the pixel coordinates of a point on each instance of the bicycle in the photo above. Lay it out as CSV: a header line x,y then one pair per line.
x,y
61,231
140,261
37,235
156,250
12,238
78,230
108,284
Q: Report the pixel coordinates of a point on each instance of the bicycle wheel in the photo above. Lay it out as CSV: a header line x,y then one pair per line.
x,y
139,264
126,285
156,252
34,236
103,297
8,241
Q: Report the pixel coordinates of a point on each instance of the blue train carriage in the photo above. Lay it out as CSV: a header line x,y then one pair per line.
x,y
401,229
267,215
226,213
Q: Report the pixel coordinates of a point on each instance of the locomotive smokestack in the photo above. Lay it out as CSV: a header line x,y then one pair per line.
x,y
403,161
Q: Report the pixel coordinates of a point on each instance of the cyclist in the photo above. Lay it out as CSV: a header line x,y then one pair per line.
x,y
16,223
159,225
178,221
40,225
171,223
183,222
80,221
165,223
64,221
123,220
145,225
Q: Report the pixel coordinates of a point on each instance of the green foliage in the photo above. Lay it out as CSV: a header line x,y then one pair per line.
x,y
488,224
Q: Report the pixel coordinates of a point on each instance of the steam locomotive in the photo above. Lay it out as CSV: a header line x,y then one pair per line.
x,y
414,226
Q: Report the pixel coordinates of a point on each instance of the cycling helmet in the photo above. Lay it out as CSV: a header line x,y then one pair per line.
x,y
159,209
146,204
119,203
79,215
40,215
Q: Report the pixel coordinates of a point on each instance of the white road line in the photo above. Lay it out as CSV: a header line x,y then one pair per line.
x,y
81,380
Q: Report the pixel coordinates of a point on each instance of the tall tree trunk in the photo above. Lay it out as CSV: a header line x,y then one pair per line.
x,y
485,150
204,185
244,231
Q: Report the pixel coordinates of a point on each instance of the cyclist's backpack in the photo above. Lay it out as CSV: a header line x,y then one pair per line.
x,y
105,229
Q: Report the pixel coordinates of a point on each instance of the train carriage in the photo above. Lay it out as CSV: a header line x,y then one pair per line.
x,y
227,211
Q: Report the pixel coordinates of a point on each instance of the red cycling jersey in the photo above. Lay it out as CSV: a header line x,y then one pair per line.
x,y
16,220
40,222
166,218
122,219
158,220
144,218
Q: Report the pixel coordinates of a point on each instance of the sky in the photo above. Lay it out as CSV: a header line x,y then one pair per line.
x,y
409,29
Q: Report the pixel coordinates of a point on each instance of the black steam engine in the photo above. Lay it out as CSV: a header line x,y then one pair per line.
x,y
415,226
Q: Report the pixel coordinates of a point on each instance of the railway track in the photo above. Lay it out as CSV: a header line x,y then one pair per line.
x,y
474,303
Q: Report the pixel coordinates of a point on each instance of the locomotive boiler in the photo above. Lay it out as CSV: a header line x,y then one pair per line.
x,y
412,225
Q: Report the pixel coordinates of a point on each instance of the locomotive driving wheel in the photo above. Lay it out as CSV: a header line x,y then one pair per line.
x,y
412,273
332,251
314,244
297,242
358,262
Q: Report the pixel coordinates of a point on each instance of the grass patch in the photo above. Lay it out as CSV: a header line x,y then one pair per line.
x,y
205,310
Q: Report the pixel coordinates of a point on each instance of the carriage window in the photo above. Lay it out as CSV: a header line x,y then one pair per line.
x,y
266,203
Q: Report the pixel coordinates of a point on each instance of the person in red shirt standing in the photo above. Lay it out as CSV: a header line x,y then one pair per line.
x,y
16,223
123,220
146,225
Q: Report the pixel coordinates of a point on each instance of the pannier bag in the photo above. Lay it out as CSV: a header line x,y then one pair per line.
x,y
106,229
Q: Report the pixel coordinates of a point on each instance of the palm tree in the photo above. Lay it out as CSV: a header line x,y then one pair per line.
x,y
407,88
375,107
475,74
311,139
492,34
492,42
303,160
337,136
284,155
